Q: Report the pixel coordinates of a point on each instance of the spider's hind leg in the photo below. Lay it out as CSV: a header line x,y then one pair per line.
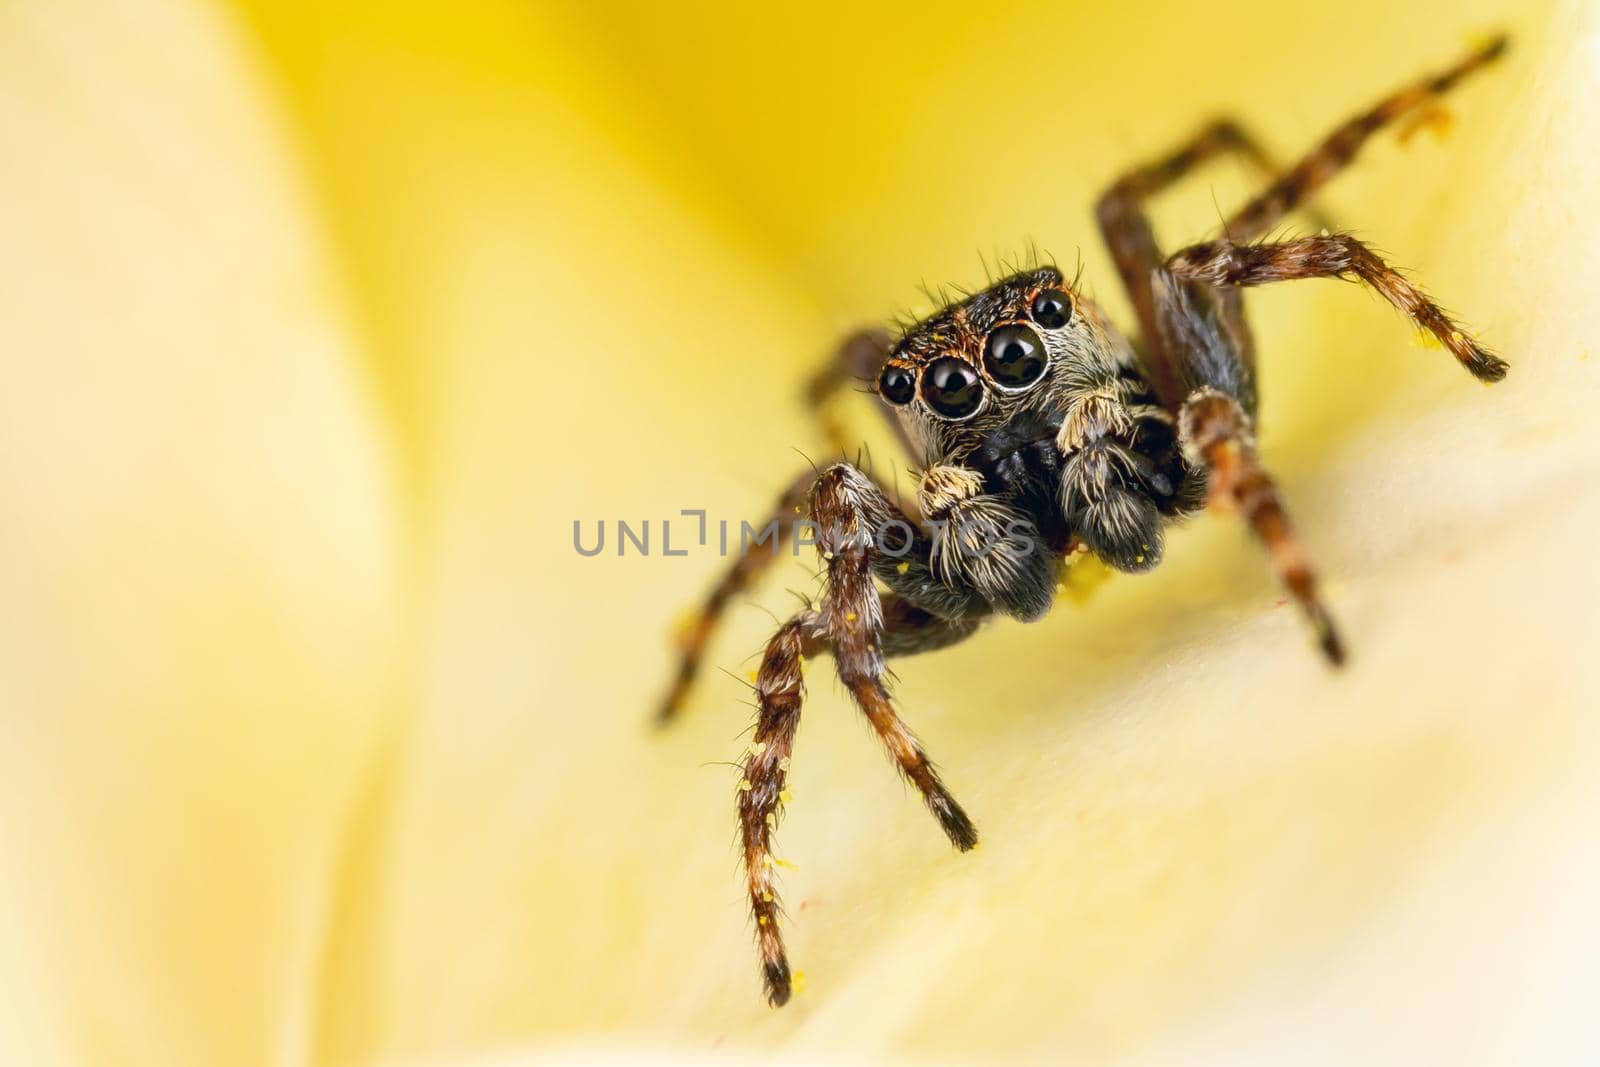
x,y
1129,235
855,364
856,359
749,565
1339,148
1217,436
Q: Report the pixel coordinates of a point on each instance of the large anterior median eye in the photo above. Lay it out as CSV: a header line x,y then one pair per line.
x,y
1014,356
897,385
952,388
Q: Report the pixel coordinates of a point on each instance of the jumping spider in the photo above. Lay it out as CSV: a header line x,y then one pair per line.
x,y
1039,424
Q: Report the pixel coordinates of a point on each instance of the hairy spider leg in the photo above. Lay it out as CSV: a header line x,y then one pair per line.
x,y
856,360
859,627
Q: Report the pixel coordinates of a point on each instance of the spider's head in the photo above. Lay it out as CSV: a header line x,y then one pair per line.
x,y
977,362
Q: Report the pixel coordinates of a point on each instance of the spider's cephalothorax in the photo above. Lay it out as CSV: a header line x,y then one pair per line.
x,y
1027,405
1039,431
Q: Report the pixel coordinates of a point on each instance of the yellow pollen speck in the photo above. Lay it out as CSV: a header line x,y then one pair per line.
x,y
1080,575
785,864
785,797
752,676
783,764
761,920
771,820
766,898
851,617
797,981
797,509
745,786
684,626
757,747
1432,116
1138,559
901,568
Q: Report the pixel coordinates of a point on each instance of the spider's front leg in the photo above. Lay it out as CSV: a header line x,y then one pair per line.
x,y
851,513
860,628
762,792
1332,256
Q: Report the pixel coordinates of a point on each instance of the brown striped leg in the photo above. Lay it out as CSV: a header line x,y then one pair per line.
x,y
1218,137
847,508
748,565
855,365
762,792
1341,146
855,362
1131,239
780,689
1332,256
1216,434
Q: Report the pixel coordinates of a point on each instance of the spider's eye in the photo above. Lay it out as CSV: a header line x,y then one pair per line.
x,y
1014,356
1051,309
952,388
897,385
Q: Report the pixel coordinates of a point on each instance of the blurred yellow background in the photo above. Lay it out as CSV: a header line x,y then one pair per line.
x,y
322,746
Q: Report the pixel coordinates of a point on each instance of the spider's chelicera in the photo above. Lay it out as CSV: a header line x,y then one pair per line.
x,y
1041,431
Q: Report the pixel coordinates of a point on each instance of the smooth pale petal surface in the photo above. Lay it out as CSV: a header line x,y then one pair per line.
x,y
198,550
330,748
